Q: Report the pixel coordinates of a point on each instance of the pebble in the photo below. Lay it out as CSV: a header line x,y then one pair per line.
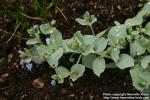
x,y
10,56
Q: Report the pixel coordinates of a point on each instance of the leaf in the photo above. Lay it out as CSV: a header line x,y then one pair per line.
x,y
136,48
33,41
147,28
100,34
59,78
87,42
100,44
88,39
145,61
43,50
87,19
54,57
136,79
36,57
82,21
87,49
98,66
119,43
117,35
74,44
125,61
140,78
145,74
34,30
88,60
145,10
118,31
47,28
82,44
62,71
56,37
134,21
115,54
26,57
77,71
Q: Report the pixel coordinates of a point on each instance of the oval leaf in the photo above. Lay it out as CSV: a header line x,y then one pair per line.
x,y
33,41
54,57
46,28
98,66
62,71
100,44
77,71
136,48
115,54
88,60
145,61
125,61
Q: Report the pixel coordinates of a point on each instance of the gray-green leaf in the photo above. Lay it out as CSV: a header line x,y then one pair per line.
x,y
43,50
136,48
62,71
87,19
147,28
98,66
33,41
134,21
125,61
88,60
100,44
34,30
115,54
46,29
77,71
137,81
145,61
54,57
118,31
56,37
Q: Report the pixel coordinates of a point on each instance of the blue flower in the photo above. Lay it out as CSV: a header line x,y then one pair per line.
x,y
47,40
53,22
20,53
53,82
29,66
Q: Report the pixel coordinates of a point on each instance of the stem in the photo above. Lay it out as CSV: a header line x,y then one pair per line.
x,y
104,55
34,18
1,30
70,82
92,30
13,33
79,59
63,14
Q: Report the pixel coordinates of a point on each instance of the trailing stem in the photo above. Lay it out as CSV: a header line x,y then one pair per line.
x,y
79,59
92,30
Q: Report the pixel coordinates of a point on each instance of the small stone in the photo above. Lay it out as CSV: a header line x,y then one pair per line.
x,y
38,83
71,95
10,56
119,7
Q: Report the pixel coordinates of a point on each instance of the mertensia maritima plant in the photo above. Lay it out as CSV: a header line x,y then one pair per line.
x,y
133,36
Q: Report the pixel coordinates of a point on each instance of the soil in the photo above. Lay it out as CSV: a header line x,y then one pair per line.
x,y
17,83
